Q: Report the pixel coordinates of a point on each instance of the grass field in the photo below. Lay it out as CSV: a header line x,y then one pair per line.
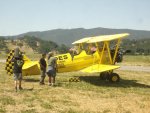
x,y
139,60
3,56
90,95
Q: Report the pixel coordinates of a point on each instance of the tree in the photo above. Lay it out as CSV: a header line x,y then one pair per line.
x,y
20,44
46,47
63,49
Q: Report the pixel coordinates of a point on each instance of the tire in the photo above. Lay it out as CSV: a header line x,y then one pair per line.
x,y
104,76
114,77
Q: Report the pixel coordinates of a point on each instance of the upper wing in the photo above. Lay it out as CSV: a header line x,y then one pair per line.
x,y
100,38
83,40
106,37
99,68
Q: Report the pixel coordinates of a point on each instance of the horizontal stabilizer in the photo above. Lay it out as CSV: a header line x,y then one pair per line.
x,y
29,64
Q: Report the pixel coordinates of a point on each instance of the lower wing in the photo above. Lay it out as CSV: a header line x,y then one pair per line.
x,y
99,68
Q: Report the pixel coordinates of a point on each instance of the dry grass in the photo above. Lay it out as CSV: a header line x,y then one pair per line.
x,y
31,55
90,95
139,60
3,56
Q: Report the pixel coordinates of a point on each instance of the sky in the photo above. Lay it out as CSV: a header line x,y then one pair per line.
x,y
20,16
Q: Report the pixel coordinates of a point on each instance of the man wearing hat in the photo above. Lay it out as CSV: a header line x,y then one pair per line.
x,y
17,70
52,67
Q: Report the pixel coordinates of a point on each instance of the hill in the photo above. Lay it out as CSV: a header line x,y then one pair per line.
x,y
137,42
67,36
30,44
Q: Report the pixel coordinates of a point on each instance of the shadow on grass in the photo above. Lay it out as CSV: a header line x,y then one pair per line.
x,y
31,80
95,80
28,89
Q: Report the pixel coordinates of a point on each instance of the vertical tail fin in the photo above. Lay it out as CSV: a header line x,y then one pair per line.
x,y
10,64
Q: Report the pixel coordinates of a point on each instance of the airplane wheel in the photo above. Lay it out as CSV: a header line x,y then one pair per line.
x,y
114,77
104,75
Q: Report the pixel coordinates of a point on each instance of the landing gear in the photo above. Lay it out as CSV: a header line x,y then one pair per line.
x,y
104,75
110,76
114,77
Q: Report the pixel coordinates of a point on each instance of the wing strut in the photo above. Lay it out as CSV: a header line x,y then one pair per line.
x,y
116,50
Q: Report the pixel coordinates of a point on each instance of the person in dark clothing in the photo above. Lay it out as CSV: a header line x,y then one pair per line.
x,y
17,70
43,66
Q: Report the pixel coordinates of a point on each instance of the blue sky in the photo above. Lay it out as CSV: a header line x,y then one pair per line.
x,y
20,16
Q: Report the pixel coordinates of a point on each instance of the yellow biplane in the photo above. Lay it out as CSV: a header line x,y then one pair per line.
x,y
102,60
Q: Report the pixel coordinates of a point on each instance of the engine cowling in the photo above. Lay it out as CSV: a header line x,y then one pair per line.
x,y
119,56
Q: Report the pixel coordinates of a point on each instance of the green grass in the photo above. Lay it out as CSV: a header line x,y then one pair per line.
x,y
90,95
6,100
2,109
47,105
3,56
136,60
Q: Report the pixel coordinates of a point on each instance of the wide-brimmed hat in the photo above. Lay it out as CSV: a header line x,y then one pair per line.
x,y
20,56
50,54
16,52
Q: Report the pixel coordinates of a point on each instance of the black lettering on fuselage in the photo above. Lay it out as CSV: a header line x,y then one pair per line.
x,y
60,58
63,57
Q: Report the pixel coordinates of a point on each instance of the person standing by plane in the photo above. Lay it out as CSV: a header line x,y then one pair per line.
x,y
52,67
42,63
17,70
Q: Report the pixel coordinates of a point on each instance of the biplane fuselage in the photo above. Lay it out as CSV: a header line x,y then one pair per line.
x,y
67,62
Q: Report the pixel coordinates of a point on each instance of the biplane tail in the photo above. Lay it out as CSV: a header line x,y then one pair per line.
x,y
10,64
